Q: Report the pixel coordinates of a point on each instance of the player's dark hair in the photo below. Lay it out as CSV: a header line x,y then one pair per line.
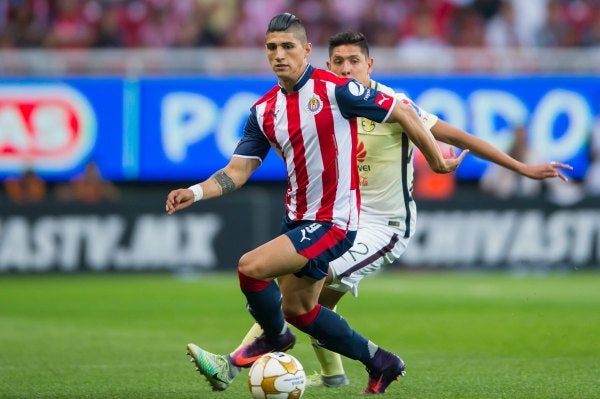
x,y
349,37
287,22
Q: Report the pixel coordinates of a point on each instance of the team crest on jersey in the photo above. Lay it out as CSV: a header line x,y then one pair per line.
x,y
367,125
315,105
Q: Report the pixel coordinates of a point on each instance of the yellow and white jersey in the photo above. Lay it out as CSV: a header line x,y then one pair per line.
x,y
385,165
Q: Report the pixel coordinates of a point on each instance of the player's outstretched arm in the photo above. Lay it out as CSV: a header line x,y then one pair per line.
x,y
224,181
449,134
424,140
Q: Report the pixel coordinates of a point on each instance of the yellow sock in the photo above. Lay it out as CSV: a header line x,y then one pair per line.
x,y
331,362
254,332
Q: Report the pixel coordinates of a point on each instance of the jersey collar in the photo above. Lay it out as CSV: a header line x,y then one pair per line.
x,y
303,79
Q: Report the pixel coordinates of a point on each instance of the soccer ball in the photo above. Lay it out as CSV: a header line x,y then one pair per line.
x,y
276,375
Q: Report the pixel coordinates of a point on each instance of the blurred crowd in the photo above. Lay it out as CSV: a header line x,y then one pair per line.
x,y
87,187
239,23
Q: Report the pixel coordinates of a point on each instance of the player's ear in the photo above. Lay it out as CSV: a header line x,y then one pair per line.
x,y
370,63
328,64
307,49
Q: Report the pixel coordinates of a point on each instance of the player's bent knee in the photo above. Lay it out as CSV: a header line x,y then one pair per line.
x,y
249,266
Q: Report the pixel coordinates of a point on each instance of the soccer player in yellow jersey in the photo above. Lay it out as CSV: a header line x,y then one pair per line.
x,y
388,211
385,164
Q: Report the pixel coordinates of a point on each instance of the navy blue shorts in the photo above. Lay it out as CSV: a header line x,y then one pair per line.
x,y
318,241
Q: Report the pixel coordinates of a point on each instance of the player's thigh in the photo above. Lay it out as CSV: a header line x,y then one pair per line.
x,y
300,294
275,258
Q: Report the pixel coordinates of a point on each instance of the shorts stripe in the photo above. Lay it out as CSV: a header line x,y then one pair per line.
x,y
327,241
406,193
379,254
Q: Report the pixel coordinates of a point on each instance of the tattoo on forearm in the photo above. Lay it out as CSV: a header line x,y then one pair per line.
x,y
224,181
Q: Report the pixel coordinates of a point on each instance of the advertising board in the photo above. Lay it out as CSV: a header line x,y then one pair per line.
x,y
184,128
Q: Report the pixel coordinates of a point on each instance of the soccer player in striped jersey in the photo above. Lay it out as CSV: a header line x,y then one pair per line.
x,y
388,211
310,120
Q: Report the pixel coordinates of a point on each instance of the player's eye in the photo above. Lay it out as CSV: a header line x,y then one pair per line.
x,y
271,46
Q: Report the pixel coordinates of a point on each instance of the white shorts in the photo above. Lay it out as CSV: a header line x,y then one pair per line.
x,y
377,244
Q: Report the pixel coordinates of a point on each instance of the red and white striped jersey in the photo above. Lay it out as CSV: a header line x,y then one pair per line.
x,y
314,130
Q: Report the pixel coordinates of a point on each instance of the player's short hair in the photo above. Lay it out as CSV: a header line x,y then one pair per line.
x,y
349,37
290,23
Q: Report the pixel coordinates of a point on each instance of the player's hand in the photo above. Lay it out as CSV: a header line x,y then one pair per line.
x,y
452,163
547,170
179,199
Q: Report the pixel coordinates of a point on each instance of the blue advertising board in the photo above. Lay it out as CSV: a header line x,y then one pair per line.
x,y
185,128
558,112
190,127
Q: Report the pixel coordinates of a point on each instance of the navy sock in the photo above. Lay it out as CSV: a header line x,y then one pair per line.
x,y
333,332
264,303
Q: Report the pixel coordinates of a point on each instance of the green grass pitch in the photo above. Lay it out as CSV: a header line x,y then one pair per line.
x,y
461,335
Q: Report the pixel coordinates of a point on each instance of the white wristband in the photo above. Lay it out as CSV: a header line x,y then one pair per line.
x,y
198,192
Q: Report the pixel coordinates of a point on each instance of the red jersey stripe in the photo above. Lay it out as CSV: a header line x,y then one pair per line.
x,y
322,74
328,147
269,121
297,141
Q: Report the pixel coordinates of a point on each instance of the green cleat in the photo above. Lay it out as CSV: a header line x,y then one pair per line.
x,y
216,368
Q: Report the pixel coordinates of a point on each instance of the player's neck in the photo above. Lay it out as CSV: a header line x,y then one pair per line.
x,y
289,83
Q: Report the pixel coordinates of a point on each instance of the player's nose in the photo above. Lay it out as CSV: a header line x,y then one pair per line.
x,y
347,69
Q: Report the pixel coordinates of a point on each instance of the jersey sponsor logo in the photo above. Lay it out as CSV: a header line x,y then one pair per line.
x,y
367,125
361,152
315,105
384,101
355,88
